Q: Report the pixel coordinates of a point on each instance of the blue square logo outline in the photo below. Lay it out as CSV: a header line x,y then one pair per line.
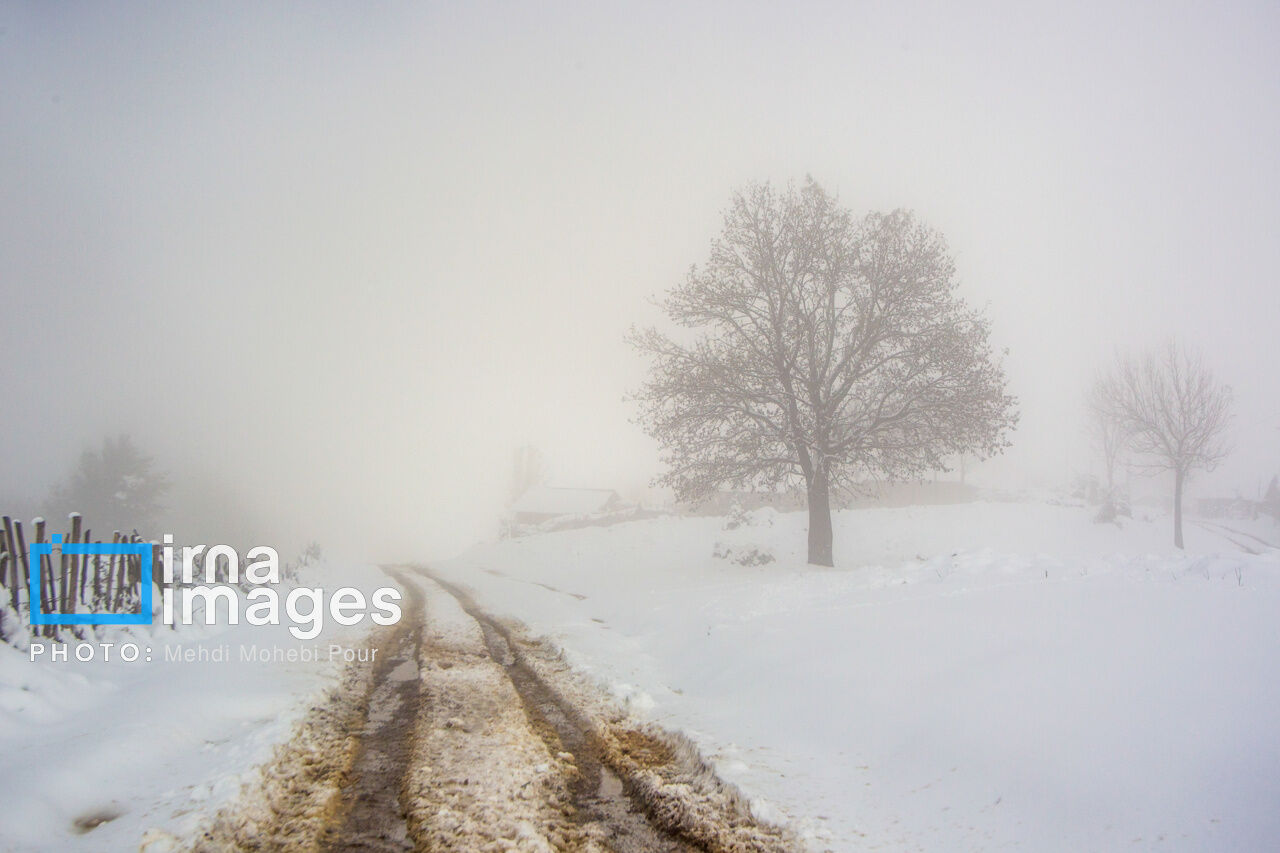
x,y
39,617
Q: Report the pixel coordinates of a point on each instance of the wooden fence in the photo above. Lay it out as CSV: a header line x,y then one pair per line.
x,y
70,583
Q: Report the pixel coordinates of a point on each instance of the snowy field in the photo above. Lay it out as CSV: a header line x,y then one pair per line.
x,y
151,749
976,677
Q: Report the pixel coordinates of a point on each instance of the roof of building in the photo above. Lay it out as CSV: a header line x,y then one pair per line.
x,y
547,500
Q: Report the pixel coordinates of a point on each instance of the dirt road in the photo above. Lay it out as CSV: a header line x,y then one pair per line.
x,y
598,796
467,735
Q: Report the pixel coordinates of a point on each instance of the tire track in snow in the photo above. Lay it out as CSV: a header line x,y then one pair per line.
x,y
375,817
1222,531
599,796
1229,529
636,787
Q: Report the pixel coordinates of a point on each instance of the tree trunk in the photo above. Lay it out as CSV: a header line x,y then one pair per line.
x,y
1177,509
819,521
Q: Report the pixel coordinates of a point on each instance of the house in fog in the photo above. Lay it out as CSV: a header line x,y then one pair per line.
x,y
540,504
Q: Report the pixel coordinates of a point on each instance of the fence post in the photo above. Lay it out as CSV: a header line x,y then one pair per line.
x,y
6,544
21,541
118,561
135,564
69,564
16,581
48,584
84,573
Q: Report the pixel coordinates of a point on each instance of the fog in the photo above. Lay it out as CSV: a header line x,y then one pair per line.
x,y
331,264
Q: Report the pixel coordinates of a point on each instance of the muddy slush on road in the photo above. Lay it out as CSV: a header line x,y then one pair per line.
x,y
375,818
466,734
598,795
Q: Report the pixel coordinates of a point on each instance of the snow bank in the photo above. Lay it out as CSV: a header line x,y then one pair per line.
x,y
97,753
974,675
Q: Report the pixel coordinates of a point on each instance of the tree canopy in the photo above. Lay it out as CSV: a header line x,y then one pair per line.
x,y
821,350
116,486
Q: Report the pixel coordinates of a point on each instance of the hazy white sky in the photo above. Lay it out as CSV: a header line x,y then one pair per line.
x,y
342,258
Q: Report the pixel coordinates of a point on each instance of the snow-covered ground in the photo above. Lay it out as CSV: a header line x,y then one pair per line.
x,y
980,676
151,748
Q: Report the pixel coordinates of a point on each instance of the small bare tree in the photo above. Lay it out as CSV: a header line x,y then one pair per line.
x,y
820,350
1107,433
1172,412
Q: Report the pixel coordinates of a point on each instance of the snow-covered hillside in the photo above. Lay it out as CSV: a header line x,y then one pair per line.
x,y
981,676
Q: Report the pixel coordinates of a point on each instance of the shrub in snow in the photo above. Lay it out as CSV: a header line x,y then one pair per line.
x,y
743,555
754,557
738,517
11,625
735,546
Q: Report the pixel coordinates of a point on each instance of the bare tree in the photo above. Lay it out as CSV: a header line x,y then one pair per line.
x,y
820,350
1173,412
1107,433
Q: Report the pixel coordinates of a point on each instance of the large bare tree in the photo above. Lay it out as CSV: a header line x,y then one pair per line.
x,y
1173,413
819,350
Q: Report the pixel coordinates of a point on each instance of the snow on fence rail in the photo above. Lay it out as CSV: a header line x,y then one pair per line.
x,y
102,583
